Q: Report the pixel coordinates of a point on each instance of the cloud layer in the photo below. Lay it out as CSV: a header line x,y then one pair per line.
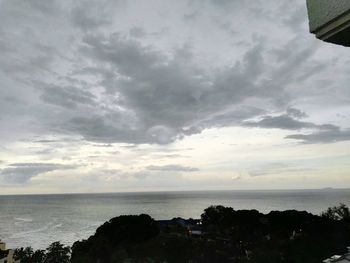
x,y
20,173
126,75
121,86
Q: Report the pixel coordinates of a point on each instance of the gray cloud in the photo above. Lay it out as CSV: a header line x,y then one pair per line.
x,y
90,16
296,113
112,175
103,129
167,97
113,83
68,97
137,32
331,135
321,133
281,122
172,168
21,173
289,121
75,75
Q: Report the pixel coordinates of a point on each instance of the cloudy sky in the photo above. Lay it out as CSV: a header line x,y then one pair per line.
x,y
130,95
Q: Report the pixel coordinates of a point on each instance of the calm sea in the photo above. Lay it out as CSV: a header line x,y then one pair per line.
x,y
38,220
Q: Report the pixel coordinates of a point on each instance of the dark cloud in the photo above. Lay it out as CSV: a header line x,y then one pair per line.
x,y
137,32
320,133
288,121
20,173
172,168
165,97
68,97
112,83
327,135
102,129
46,141
91,15
85,17
295,113
57,141
285,122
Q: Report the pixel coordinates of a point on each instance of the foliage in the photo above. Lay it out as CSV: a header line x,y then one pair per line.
x,y
240,236
24,254
55,253
38,256
340,212
281,236
114,239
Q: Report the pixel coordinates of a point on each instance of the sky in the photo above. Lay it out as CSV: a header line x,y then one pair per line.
x,y
163,95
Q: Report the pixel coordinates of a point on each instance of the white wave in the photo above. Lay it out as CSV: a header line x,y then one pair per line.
x,y
22,219
37,230
57,226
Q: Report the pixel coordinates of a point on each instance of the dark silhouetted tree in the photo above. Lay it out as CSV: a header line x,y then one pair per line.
x,y
28,255
340,212
24,254
57,253
114,239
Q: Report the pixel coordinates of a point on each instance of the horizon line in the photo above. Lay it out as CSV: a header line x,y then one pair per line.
x,y
179,191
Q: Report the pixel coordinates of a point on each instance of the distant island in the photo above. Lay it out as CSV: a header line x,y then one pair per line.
x,y
222,234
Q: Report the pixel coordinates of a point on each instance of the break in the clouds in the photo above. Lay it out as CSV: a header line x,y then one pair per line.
x,y
144,77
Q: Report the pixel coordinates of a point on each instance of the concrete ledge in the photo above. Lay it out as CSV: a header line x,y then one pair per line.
x,y
330,20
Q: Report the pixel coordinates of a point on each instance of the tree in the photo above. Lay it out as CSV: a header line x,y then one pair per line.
x,y
340,212
57,253
28,255
114,239
38,256
216,215
24,254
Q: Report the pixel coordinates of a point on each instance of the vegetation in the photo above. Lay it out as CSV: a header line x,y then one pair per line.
x,y
55,253
115,239
227,235
340,212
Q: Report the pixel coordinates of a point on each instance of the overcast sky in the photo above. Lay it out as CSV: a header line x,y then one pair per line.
x,y
130,95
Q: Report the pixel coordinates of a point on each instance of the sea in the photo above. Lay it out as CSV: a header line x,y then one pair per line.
x,y
39,220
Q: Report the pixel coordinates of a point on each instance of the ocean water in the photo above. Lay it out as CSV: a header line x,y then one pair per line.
x,y
38,220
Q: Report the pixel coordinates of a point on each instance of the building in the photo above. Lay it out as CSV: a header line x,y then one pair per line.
x,y
339,259
178,221
6,255
330,20
2,246
193,227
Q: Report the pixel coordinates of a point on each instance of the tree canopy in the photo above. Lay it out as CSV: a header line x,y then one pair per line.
x,y
228,235
340,212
